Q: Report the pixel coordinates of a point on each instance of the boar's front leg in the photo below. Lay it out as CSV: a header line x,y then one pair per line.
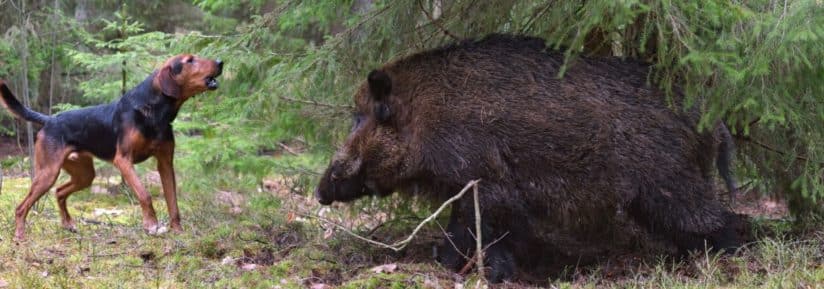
x,y
459,247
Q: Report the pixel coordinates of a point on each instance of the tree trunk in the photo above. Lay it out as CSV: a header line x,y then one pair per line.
x,y
80,12
123,35
24,58
53,64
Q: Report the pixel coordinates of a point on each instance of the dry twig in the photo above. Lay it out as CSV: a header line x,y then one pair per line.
x,y
437,23
399,245
472,261
288,149
479,250
773,149
316,103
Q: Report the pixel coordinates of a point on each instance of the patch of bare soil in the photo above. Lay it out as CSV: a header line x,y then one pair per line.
x,y
625,267
755,204
10,147
354,259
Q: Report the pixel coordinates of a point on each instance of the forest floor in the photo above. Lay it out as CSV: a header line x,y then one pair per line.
x,y
263,239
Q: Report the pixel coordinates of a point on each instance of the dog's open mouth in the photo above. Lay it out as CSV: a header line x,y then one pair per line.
x,y
211,83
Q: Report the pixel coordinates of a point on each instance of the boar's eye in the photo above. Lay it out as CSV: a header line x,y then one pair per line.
x,y
357,120
382,112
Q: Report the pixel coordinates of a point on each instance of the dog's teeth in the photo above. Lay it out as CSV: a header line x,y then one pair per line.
x,y
212,83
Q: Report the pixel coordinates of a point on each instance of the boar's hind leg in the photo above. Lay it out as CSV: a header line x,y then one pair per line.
x,y
692,217
728,238
459,246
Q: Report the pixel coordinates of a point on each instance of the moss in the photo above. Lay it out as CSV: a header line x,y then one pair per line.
x,y
109,255
395,280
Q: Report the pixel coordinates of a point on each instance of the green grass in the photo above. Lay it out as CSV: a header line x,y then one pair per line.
x,y
218,246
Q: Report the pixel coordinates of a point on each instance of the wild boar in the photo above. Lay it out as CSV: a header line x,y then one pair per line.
x,y
561,159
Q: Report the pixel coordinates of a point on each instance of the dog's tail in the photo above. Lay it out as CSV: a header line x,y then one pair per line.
x,y
15,107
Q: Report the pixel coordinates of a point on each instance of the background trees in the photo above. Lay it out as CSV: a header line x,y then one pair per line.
x,y
292,67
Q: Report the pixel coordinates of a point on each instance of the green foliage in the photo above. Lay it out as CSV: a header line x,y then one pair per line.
x,y
755,65
8,63
29,47
108,252
291,71
223,5
762,71
285,102
131,54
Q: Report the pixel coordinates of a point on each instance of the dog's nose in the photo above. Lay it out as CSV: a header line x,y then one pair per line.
x,y
219,67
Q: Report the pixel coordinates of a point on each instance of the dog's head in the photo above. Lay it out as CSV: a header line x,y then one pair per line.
x,y
186,75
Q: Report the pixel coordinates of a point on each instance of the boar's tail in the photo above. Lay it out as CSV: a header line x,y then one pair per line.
x,y
723,161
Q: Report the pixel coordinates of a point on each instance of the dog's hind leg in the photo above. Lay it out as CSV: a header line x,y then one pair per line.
x,y
81,171
48,158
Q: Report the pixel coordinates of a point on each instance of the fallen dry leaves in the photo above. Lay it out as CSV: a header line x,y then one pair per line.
x,y
328,233
248,266
320,286
290,217
234,200
385,268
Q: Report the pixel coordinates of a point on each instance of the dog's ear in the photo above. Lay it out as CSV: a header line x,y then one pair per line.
x,y
166,82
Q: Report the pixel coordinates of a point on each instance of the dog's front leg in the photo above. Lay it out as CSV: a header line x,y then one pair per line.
x,y
165,167
124,163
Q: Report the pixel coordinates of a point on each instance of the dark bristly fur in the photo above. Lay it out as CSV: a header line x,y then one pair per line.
x,y
125,132
564,163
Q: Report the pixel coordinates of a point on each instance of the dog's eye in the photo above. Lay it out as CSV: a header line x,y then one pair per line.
x,y
191,60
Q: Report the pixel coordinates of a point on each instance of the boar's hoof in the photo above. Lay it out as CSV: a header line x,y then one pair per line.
x,y
448,257
500,264
724,240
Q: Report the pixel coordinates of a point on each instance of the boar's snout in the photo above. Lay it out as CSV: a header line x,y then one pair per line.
x,y
336,185
320,195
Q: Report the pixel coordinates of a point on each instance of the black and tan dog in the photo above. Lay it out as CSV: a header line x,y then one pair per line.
x,y
124,132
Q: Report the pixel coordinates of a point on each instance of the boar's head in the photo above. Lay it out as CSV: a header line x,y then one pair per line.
x,y
373,159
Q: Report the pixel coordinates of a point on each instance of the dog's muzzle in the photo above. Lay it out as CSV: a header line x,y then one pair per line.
x,y
211,82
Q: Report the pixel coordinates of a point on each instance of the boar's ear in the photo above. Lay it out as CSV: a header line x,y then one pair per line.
x,y
380,85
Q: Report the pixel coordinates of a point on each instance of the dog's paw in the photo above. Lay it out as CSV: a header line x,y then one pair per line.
x,y
19,240
19,236
156,230
70,226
